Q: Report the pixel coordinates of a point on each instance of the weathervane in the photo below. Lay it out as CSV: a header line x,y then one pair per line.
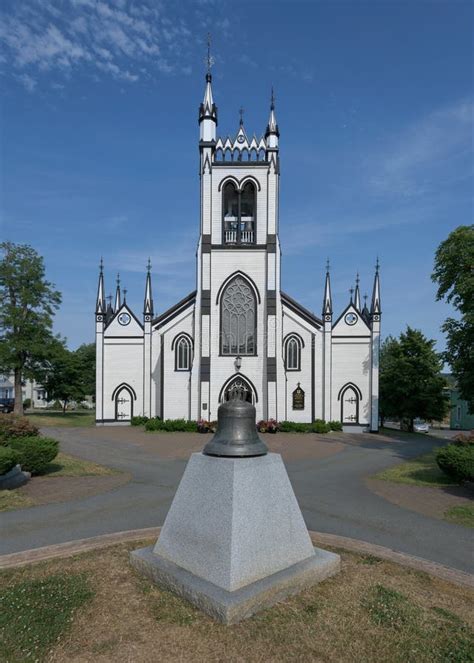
x,y
209,61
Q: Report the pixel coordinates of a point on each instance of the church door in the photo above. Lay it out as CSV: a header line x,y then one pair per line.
x,y
350,406
243,386
123,405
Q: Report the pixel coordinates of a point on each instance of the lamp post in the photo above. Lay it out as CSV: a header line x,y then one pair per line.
x,y
238,363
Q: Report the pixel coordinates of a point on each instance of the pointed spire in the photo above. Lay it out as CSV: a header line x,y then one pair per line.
x,y
109,314
125,295
375,308
351,291
148,305
365,311
100,303
272,126
327,303
117,295
208,109
357,293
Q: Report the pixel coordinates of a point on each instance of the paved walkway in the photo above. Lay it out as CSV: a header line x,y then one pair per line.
x,y
327,472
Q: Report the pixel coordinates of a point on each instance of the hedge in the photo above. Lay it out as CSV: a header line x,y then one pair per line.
x,y
138,421
8,459
171,425
318,426
13,426
35,453
457,461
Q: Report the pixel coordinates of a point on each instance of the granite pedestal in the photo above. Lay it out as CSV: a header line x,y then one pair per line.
x,y
234,540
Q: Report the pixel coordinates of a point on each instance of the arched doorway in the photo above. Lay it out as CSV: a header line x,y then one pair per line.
x,y
243,385
123,397
350,397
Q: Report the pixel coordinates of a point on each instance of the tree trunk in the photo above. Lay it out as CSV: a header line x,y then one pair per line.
x,y
64,406
18,407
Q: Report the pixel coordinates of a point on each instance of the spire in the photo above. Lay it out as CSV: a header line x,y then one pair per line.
x,y
272,126
125,295
327,303
148,304
357,293
117,295
100,303
208,109
365,311
375,306
351,291
109,314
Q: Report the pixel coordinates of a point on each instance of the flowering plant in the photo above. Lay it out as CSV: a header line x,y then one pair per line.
x,y
268,426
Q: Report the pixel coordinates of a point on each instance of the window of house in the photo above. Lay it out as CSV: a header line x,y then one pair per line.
x,y
238,318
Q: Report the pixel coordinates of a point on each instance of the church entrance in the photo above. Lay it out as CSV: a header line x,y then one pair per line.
x,y
242,385
123,405
350,406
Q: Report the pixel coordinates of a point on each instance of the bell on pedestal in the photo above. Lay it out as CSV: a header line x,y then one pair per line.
x,y
236,435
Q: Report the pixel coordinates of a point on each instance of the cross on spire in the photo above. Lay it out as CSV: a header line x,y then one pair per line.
x,y
118,278
241,113
101,265
148,265
327,266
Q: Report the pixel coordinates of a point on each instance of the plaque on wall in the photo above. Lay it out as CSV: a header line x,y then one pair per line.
x,y
298,398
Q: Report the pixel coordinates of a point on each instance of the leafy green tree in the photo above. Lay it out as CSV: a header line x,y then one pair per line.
x,y
61,375
27,305
411,384
86,357
454,274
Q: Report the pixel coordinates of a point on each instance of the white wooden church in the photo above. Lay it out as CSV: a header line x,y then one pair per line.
x,y
237,326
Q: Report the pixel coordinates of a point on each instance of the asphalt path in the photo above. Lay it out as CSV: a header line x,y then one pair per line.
x,y
331,492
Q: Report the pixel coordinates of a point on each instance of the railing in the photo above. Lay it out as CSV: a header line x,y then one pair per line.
x,y
231,231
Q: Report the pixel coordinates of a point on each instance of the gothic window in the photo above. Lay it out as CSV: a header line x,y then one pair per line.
x,y
183,354
238,318
239,213
293,354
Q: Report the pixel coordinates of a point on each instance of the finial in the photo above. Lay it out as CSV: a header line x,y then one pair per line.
x,y
351,290
101,265
327,266
377,265
125,295
357,279
118,278
148,266
209,59
241,112
272,102
365,299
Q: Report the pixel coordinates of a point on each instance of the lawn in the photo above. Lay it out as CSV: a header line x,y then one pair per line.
x,y
461,515
95,607
420,471
73,418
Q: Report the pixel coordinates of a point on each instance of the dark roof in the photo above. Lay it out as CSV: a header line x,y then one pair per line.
x,y
170,313
301,310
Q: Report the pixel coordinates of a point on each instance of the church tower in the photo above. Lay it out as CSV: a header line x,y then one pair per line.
x,y
237,337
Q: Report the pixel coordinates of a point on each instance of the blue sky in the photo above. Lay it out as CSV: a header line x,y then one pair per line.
x,y
99,141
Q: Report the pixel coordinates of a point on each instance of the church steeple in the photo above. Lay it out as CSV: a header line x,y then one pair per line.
x,y
100,302
117,295
208,109
357,293
272,132
327,302
375,306
148,303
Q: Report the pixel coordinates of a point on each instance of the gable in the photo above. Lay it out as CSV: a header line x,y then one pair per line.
x,y
343,326
116,329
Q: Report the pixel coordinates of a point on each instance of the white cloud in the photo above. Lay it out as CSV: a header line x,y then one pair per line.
x,y
28,82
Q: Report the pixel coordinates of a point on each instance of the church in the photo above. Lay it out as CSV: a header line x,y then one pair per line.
x,y
238,328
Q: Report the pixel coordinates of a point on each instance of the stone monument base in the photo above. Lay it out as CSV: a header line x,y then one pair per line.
x,y
232,607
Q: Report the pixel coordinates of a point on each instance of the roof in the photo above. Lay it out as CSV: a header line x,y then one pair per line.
x,y
172,312
301,310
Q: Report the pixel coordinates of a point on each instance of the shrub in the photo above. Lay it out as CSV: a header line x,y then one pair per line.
x,y
35,453
268,426
12,426
335,425
138,421
171,425
27,403
464,439
204,426
8,459
457,461
320,426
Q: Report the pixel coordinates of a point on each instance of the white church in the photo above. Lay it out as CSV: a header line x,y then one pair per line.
x,y
237,327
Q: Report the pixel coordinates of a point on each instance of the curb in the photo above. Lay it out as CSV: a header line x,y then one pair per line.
x,y
70,548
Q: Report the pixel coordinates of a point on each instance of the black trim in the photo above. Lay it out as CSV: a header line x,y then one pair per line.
x,y
349,336
123,337
239,247
301,310
110,421
300,343
205,302
239,273
162,376
132,394
176,341
356,311
129,310
340,396
175,310
205,369
206,244
240,164
271,302
345,386
127,386
271,243
271,369
313,371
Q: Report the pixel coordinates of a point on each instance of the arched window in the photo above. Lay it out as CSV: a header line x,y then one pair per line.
x,y
293,354
238,318
183,354
239,213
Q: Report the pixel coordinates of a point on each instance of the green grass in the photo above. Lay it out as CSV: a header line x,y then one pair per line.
x,y
35,614
387,607
11,499
420,471
461,515
74,418
70,466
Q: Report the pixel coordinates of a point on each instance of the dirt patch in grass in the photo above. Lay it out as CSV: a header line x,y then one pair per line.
x,y
71,466
372,611
74,419
461,514
420,471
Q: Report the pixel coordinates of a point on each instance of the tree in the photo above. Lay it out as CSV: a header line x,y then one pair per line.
x,y
454,274
61,375
86,357
27,305
411,384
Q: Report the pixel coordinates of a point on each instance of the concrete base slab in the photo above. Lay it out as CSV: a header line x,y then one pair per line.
x,y
230,607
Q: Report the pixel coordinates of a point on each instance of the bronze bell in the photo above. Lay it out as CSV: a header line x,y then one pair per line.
x,y
236,435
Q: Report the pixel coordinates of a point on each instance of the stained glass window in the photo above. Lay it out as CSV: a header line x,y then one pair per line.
x,y
183,355
238,319
293,354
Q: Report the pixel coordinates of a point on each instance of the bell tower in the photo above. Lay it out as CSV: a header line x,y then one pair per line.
x,y
238,308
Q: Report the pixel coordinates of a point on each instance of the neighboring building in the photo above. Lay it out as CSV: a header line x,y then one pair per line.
x,y
238,327
460,417
29,388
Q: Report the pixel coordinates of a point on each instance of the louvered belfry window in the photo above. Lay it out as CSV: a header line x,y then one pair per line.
x,y
238,318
